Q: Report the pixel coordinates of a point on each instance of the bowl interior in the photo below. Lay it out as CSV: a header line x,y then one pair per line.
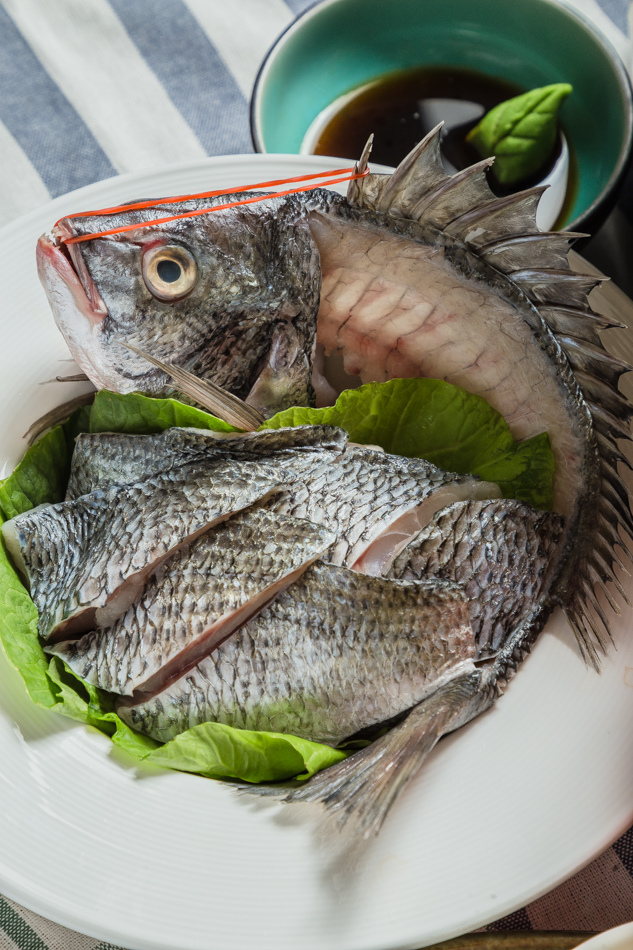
x,y
343,44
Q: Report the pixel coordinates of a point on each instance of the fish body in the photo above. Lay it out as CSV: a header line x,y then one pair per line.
x,y
335,653
414,274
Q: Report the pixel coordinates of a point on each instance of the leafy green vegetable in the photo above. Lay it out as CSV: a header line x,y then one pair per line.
x,y
413,417
41,476
434,420
142,415
218,751
520,132
18,630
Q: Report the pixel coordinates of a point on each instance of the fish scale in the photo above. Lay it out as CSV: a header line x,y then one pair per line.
x,y
194,600
366,491
105,459
86,559
498,550
335,653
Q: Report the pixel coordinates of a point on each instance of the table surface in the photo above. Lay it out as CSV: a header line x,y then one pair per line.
x,y
94,88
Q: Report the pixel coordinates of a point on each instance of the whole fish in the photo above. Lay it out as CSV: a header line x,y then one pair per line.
x,y
417,273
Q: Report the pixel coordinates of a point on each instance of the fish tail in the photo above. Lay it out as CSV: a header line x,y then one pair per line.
x,y
361,789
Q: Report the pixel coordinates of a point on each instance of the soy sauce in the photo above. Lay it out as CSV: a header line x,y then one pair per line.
x,y
400,108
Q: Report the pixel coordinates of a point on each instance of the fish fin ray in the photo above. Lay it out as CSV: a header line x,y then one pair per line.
x,y
555,286
354,189
361,789
577,322
608,424
466,189
500,218
419,171
595,361
528,251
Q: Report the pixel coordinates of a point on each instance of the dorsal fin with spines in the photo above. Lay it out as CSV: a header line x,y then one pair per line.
x,y
503,233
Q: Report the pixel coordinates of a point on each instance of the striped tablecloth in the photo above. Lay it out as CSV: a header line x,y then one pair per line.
x,y
93,88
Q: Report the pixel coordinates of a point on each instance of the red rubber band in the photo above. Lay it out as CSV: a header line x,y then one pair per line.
x,y
208,194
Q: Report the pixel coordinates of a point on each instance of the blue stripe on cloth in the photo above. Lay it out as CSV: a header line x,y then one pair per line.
x,y
43,122
617,11
298,6
169,38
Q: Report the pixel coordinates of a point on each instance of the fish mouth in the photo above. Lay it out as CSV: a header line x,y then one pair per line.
x,y
77,305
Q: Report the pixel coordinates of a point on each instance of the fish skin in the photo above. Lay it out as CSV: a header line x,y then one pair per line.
x,y
105,459
365,492
498,551
88,557
336,652
355,490
259,306
195,600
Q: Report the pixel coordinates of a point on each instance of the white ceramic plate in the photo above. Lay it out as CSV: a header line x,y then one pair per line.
x,y
504,810
620,938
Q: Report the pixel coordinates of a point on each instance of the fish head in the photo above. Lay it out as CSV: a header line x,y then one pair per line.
x,y
231,296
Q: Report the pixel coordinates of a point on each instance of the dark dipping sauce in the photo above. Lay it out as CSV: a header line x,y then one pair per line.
x,y
400,108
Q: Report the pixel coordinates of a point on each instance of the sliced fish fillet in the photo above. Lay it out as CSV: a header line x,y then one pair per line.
x,y
105,459
375,502
196,600
86,560
499,551
336,652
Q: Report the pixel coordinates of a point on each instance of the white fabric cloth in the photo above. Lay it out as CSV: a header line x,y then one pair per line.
x,y
92,88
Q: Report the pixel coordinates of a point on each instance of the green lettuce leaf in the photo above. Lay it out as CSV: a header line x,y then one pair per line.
x,y
219,751
143,415
520,132
18,631
434,420
42,475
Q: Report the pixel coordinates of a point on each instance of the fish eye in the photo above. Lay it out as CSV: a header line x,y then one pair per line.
x,y
169,271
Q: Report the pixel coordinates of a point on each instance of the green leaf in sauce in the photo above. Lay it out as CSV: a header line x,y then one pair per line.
x,y
521,132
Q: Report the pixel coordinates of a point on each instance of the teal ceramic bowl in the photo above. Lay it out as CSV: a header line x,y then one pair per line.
x,y
339,45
